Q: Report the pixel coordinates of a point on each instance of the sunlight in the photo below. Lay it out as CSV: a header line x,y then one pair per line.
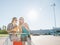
x,y
32,15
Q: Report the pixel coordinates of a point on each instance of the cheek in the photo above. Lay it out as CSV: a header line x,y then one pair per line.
x,y
20,21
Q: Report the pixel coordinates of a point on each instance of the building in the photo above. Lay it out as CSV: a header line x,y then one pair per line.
x,y
54,31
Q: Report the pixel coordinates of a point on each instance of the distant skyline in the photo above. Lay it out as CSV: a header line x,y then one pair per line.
x,y
37,13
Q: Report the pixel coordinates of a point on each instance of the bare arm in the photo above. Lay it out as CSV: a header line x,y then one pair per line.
x,y
13,30
26,26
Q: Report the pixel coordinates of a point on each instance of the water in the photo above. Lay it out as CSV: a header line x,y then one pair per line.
x,y
40,40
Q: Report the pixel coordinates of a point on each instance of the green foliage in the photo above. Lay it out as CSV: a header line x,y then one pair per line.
x,y
3,32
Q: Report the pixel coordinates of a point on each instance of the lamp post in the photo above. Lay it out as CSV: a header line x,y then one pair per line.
x,y
54,14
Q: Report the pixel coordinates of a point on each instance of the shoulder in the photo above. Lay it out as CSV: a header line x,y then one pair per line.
x,y
9,24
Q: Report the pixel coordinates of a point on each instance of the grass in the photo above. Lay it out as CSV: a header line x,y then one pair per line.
x,y
4,35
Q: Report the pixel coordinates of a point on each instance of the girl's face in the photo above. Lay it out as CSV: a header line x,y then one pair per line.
x,y
15,21
21,20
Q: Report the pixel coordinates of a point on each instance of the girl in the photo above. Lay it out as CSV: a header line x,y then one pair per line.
x,y
23,27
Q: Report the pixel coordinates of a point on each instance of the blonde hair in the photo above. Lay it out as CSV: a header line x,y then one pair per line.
x,y
20,25
20,19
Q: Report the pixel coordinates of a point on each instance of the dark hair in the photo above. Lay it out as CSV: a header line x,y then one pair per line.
x,y
13,19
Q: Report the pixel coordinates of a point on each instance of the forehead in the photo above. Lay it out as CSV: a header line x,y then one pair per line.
x,y
16,19
21,18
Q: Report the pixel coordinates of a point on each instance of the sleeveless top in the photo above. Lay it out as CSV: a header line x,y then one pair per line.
x,y
25,31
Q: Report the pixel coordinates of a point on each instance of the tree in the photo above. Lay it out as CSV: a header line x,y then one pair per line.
x,y
3,27
0,28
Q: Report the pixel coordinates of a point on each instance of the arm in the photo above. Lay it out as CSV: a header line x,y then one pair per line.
x,y
10,28
26,26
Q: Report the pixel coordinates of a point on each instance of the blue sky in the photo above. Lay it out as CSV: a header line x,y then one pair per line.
x,y
37,13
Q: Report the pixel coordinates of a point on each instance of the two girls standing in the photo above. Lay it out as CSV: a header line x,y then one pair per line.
x,y
23,28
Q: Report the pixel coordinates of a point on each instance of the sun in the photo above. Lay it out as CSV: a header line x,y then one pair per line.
x,y
32,15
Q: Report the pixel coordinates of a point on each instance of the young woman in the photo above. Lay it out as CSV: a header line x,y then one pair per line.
x,y
24,28
12,28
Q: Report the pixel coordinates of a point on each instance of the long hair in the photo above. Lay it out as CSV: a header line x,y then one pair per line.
x,y
22,19
20,25
13,19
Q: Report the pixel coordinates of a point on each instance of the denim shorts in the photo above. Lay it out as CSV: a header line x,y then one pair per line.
x,y
13,37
